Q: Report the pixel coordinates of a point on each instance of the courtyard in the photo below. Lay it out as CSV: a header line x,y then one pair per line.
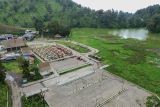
x,y
96,90
68,64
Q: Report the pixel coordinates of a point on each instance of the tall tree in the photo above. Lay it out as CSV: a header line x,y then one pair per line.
x,y
154,24
39,25
24,65
55,27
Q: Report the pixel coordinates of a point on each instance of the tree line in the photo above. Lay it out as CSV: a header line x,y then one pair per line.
x,y
52,28
68,13
85,17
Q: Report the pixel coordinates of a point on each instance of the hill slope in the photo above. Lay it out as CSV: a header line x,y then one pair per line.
x,y
23,12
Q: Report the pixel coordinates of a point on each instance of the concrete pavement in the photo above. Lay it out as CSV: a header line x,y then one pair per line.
x,y
16,94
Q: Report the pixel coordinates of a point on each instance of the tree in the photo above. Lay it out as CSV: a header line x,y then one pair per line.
x,y
25,68
24,65
55,27
154,24
65,31
2,73
35,70
39,25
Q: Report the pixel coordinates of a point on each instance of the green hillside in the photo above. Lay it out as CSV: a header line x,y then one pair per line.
x,y
23,12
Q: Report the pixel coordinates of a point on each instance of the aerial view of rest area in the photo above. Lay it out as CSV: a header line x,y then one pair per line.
x,y
79,53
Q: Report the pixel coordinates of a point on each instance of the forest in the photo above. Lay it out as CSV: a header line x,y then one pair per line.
x,y
24,13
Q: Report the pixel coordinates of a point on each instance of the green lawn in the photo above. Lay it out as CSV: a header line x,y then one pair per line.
x,y
74,47
128,57
4,92
12,66
34,101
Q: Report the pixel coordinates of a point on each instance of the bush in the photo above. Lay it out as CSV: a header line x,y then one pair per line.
x,y
2,74
36,75
154,24
34,101
153,101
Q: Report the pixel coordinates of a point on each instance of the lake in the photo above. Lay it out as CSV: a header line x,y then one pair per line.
x,y
140,34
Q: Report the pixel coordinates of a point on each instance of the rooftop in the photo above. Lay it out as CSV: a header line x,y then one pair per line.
x,y
44,66
11,43
26,50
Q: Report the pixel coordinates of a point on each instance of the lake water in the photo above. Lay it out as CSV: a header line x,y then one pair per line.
x,y
140,34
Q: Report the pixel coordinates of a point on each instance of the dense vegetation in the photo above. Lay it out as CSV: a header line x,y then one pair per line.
x,y
34,101
5,100
141,57
154,24
4,91
24,12
27,69
153,101
2,74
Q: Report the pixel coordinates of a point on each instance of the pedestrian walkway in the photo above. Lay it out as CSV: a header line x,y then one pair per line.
x,y
16,94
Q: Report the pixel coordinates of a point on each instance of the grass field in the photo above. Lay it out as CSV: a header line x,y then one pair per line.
x,y
74,47
128,58
12,66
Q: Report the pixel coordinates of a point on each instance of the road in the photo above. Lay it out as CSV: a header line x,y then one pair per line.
x,y
16,92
